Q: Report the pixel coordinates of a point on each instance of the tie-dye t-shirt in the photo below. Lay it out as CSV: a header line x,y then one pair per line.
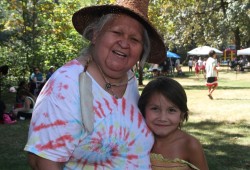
x,y
120,140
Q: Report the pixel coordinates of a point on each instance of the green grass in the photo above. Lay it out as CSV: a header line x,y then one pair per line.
x,y
226,145
222,125
13,139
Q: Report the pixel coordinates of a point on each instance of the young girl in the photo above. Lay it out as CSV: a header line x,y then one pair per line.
x,y
163,103
196,68
5,118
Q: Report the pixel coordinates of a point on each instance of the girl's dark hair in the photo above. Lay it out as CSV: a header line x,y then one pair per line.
x,y
170,89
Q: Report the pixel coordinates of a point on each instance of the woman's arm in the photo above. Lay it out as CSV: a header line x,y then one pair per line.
x,y
27,103
25,108
39,163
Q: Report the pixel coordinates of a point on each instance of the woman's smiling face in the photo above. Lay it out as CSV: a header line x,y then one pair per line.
x,y
162,116
119,45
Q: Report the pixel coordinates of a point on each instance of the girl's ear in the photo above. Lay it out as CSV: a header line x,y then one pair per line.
x,y
181,120
182,116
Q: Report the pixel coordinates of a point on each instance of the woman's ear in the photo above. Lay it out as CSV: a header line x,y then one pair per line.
x,y
94,37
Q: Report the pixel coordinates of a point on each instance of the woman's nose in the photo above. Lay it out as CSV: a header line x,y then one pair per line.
x,y
124,43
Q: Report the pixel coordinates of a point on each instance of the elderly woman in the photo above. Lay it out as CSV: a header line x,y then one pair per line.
x,y
86,116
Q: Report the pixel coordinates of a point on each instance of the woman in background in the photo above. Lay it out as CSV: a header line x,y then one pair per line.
x,y
28,103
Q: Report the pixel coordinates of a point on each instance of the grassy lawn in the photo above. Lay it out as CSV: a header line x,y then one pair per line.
x,y
222,124
13,138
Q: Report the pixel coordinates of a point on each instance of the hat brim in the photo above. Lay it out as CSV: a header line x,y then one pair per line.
x,y
82,18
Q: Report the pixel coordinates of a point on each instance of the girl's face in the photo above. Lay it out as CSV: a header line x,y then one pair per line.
x,y
119,45
162,116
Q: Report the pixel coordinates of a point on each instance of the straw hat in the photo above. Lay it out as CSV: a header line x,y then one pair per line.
x,y
137,9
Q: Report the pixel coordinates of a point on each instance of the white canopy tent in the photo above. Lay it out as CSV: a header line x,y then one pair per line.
x,y
244,51
204,50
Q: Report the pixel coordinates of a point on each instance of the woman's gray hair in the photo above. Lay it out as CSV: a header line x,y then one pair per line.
x,y
97,26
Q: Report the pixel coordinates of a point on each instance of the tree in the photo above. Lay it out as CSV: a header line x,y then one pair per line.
x,y
187,24
40,32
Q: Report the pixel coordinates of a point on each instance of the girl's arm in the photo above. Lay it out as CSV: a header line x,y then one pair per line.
x,y
197,156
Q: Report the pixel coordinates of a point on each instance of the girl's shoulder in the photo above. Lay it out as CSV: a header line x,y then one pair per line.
x,y
191,142
183,140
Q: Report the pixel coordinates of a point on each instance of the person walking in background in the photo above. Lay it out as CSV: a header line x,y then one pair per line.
x,y
190,64
200,62
86,116
36,81
163,103
165,67
196,68
50,72
204,67
37,76
177,63
211,73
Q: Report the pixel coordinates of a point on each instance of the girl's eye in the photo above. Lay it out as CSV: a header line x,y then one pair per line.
x,y
172,110
154,108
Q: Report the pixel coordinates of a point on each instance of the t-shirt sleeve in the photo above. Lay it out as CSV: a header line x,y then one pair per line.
x,y
55,128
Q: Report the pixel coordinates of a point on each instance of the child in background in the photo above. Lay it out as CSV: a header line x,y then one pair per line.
x,y
190,64
163,103
196,68
5,118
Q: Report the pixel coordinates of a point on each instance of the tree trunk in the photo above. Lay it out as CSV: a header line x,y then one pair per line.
x,y
140,76
237,38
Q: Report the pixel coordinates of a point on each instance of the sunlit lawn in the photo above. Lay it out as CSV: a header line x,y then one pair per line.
x,y
222,124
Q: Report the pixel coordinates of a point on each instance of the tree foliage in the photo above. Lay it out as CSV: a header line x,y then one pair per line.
x,y
40,32
37,33
187,24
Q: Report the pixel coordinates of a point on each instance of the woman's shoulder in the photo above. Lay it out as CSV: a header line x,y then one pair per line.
x,y
29,100
69,70
73,64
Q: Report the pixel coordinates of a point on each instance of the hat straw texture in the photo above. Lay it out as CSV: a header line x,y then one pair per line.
x,y
137,9
138,6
